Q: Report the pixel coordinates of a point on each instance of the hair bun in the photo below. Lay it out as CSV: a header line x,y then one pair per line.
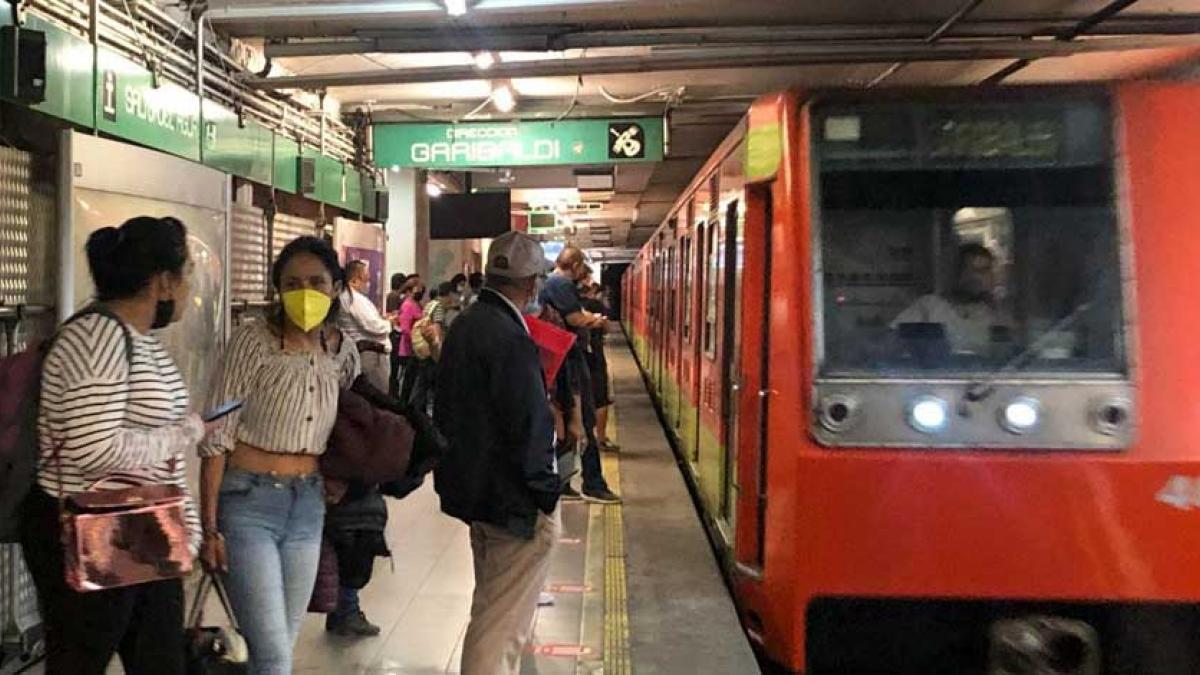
x,y
104,240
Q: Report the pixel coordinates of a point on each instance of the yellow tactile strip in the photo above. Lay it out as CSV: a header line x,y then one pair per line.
x,y
616,600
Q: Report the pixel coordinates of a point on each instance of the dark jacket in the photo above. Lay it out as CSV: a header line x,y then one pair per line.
x,y
491,406
377,440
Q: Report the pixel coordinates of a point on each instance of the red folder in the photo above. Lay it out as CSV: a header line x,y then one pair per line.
x,y
553,343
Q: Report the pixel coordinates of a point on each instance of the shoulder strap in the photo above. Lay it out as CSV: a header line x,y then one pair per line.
x,y
108,314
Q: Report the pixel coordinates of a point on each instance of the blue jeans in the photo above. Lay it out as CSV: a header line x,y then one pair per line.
x,y
272,527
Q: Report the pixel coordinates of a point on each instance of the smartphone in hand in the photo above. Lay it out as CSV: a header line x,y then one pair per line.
x,y
222,410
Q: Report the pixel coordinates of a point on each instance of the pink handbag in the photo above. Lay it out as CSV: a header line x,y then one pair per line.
x,y
116,538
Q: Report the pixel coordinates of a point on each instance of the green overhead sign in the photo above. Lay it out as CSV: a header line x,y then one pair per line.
x,y
489,144
237,146
166,117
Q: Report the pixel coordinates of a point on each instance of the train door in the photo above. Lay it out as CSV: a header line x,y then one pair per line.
x,y
732,354
671,347
660,333
752,400
679,374
733,223
713,381
696,302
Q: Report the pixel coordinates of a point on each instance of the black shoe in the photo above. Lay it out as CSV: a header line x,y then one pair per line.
x,y
601,496
354,625
609,446
570,494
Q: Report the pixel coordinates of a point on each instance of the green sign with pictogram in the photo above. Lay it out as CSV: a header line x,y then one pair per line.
x,y
522,143
129,105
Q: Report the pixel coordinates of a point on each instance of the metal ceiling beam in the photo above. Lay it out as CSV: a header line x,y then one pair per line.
x,y
1088,23
559,38
732,57
937,34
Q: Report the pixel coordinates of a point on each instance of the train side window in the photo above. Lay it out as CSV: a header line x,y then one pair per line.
x,y
712,259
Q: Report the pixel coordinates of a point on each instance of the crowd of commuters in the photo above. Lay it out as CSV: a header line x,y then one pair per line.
x,y
114,409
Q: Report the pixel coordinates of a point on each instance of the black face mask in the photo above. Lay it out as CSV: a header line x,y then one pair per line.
x,y
164,311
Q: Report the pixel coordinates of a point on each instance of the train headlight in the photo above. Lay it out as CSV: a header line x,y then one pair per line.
x,y
928,414
1021,415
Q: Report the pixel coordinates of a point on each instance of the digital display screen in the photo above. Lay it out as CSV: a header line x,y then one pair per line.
x,y
469,216
995,137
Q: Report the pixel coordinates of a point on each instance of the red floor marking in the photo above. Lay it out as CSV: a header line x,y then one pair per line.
x,y
560,650
569,588
568,540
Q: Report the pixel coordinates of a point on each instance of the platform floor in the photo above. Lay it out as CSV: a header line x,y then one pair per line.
x,y
636,586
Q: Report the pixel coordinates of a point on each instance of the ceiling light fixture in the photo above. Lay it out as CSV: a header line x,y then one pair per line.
x,y
484,60
433,189
456,7
503,98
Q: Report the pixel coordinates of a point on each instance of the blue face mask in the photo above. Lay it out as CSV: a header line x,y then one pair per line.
x,y
534,306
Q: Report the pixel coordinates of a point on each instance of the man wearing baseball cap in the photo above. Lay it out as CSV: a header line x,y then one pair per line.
x,y
499,474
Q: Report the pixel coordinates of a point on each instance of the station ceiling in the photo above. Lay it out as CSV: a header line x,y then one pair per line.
x,y
702,60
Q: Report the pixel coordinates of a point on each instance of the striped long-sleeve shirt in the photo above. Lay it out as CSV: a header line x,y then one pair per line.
x,y
112,418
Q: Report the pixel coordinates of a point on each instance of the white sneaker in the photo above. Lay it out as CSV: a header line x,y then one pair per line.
x,y
545,599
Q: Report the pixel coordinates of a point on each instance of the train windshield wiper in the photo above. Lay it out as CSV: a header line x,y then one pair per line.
x,y
979,389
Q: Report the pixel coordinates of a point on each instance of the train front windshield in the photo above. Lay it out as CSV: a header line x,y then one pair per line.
x,y
960,239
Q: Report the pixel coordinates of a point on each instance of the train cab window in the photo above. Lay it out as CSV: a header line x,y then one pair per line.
x,y
983,241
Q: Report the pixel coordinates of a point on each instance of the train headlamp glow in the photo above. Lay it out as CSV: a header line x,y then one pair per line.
x,y
928,414
1021,415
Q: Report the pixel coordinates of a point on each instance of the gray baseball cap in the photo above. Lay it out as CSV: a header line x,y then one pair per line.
x,y
515,255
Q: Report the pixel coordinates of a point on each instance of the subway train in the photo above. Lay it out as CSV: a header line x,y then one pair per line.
x,y
924,358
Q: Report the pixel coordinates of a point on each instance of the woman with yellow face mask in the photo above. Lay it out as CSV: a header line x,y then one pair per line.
x,y
262,498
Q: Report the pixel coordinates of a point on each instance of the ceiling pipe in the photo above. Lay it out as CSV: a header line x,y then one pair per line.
x,y
720,58
937,34
560,38
1088,23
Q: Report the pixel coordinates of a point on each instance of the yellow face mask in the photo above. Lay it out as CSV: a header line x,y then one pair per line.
x,y
306,308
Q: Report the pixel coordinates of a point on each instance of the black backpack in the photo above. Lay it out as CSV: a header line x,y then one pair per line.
x,y
20,392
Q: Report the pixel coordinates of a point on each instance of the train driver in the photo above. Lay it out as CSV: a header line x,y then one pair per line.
x,y
971,320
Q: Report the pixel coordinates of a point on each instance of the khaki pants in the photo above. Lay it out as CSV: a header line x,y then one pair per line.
x,y
377,368
510,573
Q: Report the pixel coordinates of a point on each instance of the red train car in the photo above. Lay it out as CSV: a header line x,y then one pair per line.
x,y
926,358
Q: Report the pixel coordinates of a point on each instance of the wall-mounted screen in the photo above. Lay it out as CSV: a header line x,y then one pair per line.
x,y
470,216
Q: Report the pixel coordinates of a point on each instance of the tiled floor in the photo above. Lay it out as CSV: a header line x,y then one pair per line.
x,y
424,602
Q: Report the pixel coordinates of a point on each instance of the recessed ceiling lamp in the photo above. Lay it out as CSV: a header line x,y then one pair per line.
x,y
484,60
503,97
433,189
456,7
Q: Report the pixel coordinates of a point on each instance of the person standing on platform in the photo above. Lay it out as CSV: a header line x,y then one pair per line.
x,y
437,311
114,408
410,313
561,293
598,366
365,328
474,285
499,474
391,308
262,495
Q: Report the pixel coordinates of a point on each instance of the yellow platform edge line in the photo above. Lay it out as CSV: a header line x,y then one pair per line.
x,y
616,600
